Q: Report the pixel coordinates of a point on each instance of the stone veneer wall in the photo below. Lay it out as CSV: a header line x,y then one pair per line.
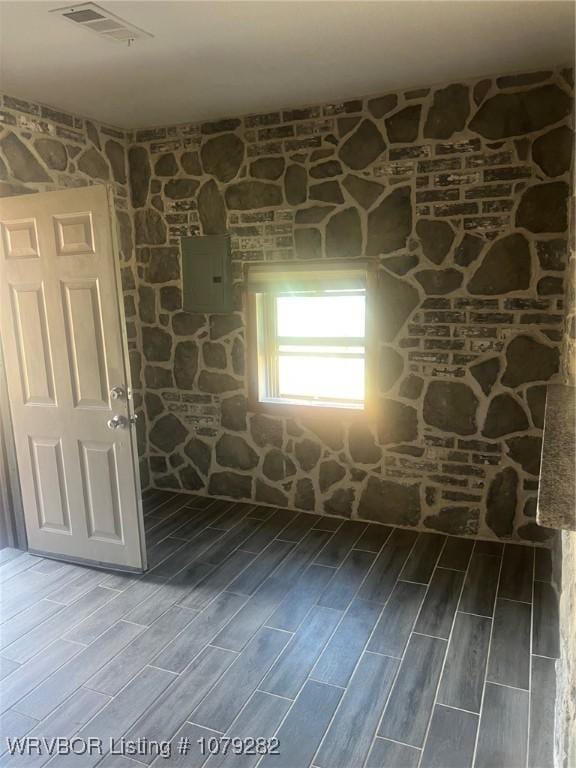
x,y
565,552
460,194
44,149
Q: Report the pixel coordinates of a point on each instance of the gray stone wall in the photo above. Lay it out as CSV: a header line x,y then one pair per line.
x,y
565,552
460,193
43,149
568,357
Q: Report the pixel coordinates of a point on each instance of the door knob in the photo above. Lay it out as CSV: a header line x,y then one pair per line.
x,y
117,393
117,422
121,422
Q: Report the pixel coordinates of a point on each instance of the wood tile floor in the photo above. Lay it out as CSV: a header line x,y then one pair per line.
x,y
346,644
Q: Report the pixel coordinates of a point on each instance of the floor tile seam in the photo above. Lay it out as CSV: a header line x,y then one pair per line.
x,y
364,650
445,658
488,653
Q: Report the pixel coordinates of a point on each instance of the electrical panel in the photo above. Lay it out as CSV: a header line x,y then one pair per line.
x,y
207,274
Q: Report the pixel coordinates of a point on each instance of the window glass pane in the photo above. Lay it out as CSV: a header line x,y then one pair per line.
x,y
337,378
314,349
330,316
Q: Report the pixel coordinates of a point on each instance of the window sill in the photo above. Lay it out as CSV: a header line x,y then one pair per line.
x,y
303,410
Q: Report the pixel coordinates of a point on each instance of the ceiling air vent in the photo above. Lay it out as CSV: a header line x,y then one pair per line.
x,y
103,23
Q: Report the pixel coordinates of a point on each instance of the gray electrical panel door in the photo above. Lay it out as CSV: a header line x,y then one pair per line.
x,y
207,274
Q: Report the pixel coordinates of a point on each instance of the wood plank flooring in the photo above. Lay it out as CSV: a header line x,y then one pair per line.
x,y
338,644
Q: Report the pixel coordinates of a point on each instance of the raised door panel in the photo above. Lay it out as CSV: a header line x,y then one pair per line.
x,y
101,491
49,484
86,346
74,234
33,348
20,239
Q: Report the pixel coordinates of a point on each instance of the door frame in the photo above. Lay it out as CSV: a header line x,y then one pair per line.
x,y
12,524
13,516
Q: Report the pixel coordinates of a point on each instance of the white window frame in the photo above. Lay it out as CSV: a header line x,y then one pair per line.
x,y
264,343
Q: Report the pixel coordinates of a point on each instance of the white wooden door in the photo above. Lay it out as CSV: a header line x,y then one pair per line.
x,y
65,353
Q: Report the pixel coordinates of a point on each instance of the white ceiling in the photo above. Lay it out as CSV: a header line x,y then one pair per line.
x,y
213,59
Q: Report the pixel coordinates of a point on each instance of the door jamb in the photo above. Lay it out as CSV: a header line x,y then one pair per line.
x,y
127,371
11,507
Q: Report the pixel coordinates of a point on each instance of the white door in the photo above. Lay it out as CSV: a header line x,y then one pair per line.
x,y
65,353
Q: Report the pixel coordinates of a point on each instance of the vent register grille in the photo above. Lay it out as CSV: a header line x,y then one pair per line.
x,y
101,22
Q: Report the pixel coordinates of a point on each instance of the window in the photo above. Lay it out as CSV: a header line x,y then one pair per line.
x,y
309,334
